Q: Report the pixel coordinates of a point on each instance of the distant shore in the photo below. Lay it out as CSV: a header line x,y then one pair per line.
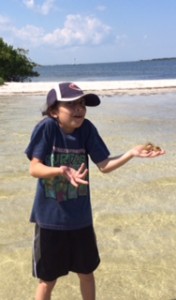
x,y
108,88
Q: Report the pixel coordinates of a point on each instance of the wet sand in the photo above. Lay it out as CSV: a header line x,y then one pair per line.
x,y
134,207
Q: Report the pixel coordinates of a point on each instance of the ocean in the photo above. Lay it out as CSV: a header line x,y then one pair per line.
x,y
137,70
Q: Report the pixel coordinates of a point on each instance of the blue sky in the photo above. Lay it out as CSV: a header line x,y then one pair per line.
x,y
90,31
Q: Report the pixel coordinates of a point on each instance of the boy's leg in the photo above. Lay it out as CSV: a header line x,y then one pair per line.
x,y
44,290
87,286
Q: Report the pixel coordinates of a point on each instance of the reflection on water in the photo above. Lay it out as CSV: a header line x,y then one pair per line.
x,y
134,207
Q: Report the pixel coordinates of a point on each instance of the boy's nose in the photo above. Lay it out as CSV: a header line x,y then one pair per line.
x,y
78,106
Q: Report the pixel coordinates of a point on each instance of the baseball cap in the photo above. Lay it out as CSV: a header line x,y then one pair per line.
x,y
68,91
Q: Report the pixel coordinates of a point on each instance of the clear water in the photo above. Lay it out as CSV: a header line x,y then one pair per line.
x,y
134,207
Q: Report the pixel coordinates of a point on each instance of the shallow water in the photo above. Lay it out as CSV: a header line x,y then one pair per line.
x,y
134,207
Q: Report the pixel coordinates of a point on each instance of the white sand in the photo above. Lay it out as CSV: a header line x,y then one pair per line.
x,y
100,87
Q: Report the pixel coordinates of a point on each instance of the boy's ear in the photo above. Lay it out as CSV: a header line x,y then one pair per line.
x,y
53,114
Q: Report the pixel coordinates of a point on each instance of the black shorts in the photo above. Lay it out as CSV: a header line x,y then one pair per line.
x,y
57,252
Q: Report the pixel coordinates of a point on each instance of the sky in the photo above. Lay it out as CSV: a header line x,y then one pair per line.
x,y
90,31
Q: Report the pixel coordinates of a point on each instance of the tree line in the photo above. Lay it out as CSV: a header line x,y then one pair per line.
x,y
15,64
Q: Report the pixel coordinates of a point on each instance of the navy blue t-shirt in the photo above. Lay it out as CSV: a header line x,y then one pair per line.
x,y
58,204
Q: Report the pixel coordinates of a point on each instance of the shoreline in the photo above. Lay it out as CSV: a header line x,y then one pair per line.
x,y
106,88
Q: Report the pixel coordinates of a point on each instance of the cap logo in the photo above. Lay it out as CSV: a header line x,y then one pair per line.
x,y
74,87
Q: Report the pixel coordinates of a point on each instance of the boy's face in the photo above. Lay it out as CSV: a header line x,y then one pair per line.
x,y
70,115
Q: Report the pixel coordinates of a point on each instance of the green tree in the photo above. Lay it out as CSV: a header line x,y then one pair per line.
x,y
14,63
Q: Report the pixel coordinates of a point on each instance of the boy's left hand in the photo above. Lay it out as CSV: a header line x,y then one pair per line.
x,y
148,150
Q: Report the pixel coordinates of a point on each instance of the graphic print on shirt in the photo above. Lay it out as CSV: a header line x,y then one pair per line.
x,y
59,188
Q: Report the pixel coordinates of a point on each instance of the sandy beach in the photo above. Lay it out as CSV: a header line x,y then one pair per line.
x,y
134,207
108,88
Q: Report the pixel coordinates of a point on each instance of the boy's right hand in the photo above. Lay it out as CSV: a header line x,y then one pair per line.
x,y
75,177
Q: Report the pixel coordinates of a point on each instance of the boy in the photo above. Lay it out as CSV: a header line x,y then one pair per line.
x,y
58,152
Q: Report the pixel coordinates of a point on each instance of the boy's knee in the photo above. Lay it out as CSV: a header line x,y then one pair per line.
x,y
47,285
86,277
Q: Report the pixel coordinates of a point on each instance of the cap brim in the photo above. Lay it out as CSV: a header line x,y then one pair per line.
x,y
91,99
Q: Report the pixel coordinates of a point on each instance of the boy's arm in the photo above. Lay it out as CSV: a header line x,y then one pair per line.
x,y
39,170
112,163
75,177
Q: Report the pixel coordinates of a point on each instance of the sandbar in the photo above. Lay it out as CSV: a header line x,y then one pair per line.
x,y
106,88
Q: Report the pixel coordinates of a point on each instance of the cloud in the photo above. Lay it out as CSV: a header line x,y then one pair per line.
x,y
121,39
44,8
101,7
24,36
29,34
29,3
78,30
5,23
